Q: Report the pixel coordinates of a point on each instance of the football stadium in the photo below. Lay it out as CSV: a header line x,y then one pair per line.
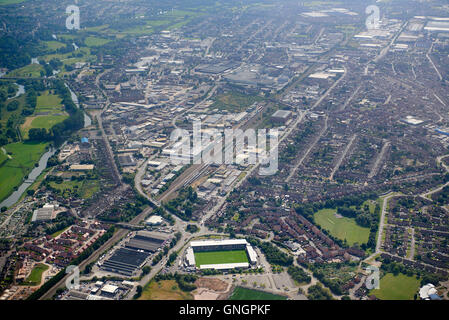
x,y
220,254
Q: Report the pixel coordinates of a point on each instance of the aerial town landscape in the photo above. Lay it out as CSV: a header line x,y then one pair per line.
x,y
115,160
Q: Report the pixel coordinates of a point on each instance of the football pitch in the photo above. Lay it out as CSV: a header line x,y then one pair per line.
x,y
220,257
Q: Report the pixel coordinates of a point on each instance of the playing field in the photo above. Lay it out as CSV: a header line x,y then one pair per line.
x,y
400,287
49,111
341,228
220,257
241,293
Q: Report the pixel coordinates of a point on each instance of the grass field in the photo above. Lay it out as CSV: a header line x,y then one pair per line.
x,y
95,41
164,290
49,104
241,293
341,228
34,279
31,71
219,257
54,45
57,233
12,171
400,287
84,189
5,2
234,102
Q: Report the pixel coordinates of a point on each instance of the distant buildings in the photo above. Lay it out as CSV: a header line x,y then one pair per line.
x,y
281,116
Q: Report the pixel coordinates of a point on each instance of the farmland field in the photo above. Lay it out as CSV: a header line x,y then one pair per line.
x,y
219,257
241,293
341,227
400,287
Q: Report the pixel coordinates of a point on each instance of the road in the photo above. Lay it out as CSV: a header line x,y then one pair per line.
x,y
298,164
381,155
345,152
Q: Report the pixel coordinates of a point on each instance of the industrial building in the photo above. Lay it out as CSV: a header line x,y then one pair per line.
x,y
281,116
130,258
46,213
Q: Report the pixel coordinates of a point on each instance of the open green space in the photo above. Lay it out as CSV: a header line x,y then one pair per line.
x,y
35,277
400,287
49,111
220,257
23,158
29,71
48,102
54,45
95,41
241,293
57,233
6,2
341,227
84,188
234,101
164,290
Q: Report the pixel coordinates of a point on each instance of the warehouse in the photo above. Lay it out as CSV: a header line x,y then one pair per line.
x,y
281,116
147,241
125,261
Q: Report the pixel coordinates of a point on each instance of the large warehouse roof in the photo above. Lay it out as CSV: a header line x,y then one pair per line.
x,y
218,242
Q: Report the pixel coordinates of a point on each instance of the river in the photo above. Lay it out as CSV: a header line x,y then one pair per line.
x,y
36,172
15,196
87,119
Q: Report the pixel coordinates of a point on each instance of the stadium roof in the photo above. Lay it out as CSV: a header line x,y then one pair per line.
x,y
225,266
218,242
251,254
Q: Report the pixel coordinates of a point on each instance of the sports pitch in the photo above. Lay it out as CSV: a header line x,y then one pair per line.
x,y
220,257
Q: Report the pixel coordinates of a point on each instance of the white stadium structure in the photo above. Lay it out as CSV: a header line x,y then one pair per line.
x,y
221,245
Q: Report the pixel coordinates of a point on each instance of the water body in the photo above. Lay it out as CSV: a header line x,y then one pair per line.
x,y
15,196
87,119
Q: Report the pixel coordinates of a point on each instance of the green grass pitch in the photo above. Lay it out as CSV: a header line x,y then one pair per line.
x,y
220,257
